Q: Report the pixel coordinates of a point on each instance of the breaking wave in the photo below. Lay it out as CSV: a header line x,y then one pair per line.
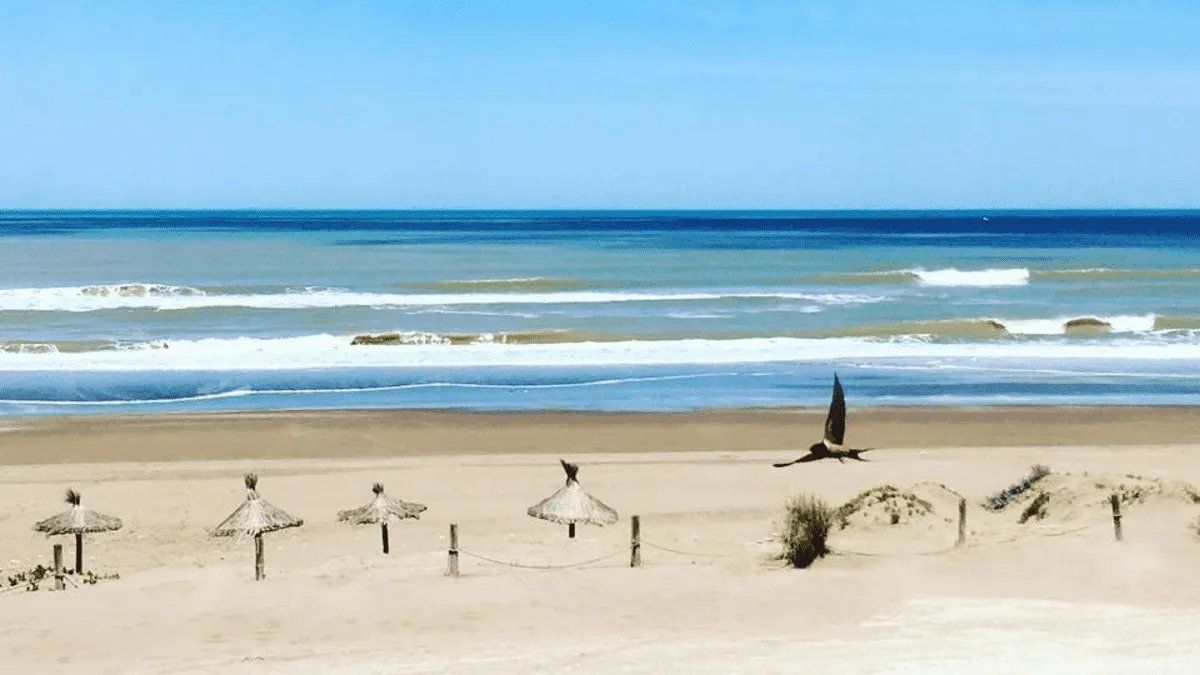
x,y
1081,324
1016,276
336,351
949,276
153,296
983,328
955,277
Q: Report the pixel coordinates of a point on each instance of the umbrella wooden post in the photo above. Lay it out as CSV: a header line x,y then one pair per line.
x,y
571,506
635,541
452,554
381,511
77,520
258,558
962,522
1116,513
60,583
254,518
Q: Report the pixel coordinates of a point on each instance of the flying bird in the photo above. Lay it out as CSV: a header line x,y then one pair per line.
x,y
830,447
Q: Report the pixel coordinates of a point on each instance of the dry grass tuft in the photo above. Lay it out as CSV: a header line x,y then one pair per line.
x,y
806,525
1002,498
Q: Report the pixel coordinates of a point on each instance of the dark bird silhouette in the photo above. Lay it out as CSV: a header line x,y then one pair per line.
x,y
830,447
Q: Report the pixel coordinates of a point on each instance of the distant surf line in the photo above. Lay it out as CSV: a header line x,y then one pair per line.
x,y
165,298
1012,276
335,351
990,329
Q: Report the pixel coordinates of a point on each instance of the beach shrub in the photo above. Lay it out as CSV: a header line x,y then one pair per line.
x,y
1002,498
1036,508
805,528
32,579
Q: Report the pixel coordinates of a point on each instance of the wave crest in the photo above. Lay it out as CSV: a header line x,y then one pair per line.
x,y
138,291
1018,276
951,276
1108,274
334,351
541,284
159,297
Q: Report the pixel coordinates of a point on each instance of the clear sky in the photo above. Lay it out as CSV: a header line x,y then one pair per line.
x,y
641,104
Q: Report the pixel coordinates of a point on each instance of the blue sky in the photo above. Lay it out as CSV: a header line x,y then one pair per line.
x,y
691,104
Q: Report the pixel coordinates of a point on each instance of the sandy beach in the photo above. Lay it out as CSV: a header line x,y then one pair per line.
x,y
1030,596
581,337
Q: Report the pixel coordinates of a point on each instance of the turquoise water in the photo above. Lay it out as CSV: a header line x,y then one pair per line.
x,y
108,312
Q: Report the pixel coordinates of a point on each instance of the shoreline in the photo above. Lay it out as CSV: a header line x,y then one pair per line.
x,y
388,433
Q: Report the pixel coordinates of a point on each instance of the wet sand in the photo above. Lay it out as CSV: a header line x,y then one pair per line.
x,y
403,433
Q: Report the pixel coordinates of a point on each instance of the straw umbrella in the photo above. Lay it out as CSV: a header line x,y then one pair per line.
x,y
77,520
255,517
381,511
572,505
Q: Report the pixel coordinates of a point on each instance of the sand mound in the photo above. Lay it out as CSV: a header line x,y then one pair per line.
x,y
923,505
1066,497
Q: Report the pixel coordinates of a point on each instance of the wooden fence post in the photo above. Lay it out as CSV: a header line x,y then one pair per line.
x,y
962,522
78,553
383,528
452,559
1116,510
60,583
635,542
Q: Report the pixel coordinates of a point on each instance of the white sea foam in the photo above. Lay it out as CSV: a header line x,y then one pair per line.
x,y
956,277
86,299
334,351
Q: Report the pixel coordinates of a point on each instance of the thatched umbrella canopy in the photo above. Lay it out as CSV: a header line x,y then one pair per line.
x,y
571,505
255,517
77,520
381,511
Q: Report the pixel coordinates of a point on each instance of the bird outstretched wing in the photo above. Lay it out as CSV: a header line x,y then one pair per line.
x,y
835,423
806,458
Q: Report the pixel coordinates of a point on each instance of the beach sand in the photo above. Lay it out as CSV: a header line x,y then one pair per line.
x,y
1054,595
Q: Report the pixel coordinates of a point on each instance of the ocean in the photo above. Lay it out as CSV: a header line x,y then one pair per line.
x,y
149,311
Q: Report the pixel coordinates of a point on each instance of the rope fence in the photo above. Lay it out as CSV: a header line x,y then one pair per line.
x,y
540,567
696,554
636,543
635,553
964,544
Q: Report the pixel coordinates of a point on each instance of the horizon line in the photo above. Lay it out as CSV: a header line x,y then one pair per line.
x,y
761,210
